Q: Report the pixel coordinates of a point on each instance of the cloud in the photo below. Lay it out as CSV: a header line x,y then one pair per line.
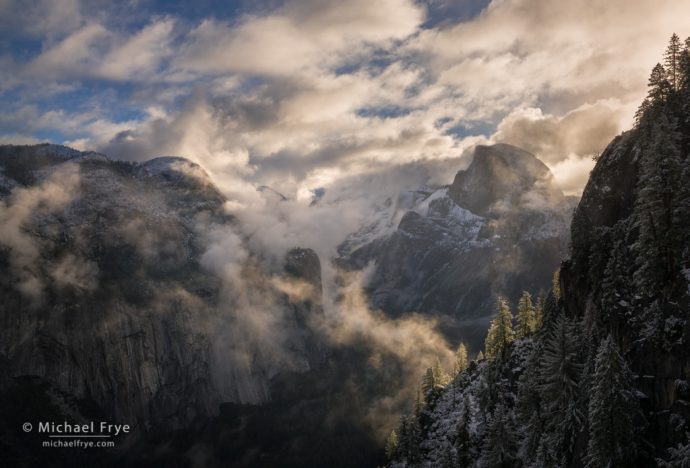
x,y
94,51
21,212
139,56
73,271
306,93
398,350
567,144
571,174
303,36
75,56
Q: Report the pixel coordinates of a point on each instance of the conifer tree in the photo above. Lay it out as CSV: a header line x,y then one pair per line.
x,y
556,284
500,333
641,111
684,70
403,448
392,446
463,441
539,310
611,409
659,86
672,59
550,311
461,359
559,375
434,381
480,356
409,436
526,316
499,449
528,409
617,289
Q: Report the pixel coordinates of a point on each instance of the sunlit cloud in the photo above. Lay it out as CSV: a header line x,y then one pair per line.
x,y
306,93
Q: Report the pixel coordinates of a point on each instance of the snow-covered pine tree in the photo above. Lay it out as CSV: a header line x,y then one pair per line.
x,y
528,410
559,374
550,311
617,288
499,449
526,316
433,383
464,442
409,439
500,333
612,406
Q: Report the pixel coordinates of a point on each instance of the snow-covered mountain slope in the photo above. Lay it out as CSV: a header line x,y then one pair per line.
x,y
501,227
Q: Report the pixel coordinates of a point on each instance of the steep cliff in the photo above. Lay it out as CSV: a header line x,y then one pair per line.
x,y
117,290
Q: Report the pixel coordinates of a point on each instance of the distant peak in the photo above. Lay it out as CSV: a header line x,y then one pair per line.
x,y
502,148
511,156
500,175
173,167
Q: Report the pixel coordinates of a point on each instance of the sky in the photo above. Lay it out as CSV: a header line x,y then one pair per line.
x,y
300,95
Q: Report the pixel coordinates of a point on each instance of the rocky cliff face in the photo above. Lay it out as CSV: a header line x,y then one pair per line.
x,y
501,227
503,178
651,326
111,292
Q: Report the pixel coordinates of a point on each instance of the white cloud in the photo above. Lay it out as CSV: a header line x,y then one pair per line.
x,y
311,92
571,174
300,37
139,56
584,131
19,213
76,55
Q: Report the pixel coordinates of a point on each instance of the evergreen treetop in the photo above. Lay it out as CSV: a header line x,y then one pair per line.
x,y
500,333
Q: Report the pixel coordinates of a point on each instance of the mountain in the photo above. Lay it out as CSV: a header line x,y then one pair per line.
x,y
114,306
603,379
500,228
